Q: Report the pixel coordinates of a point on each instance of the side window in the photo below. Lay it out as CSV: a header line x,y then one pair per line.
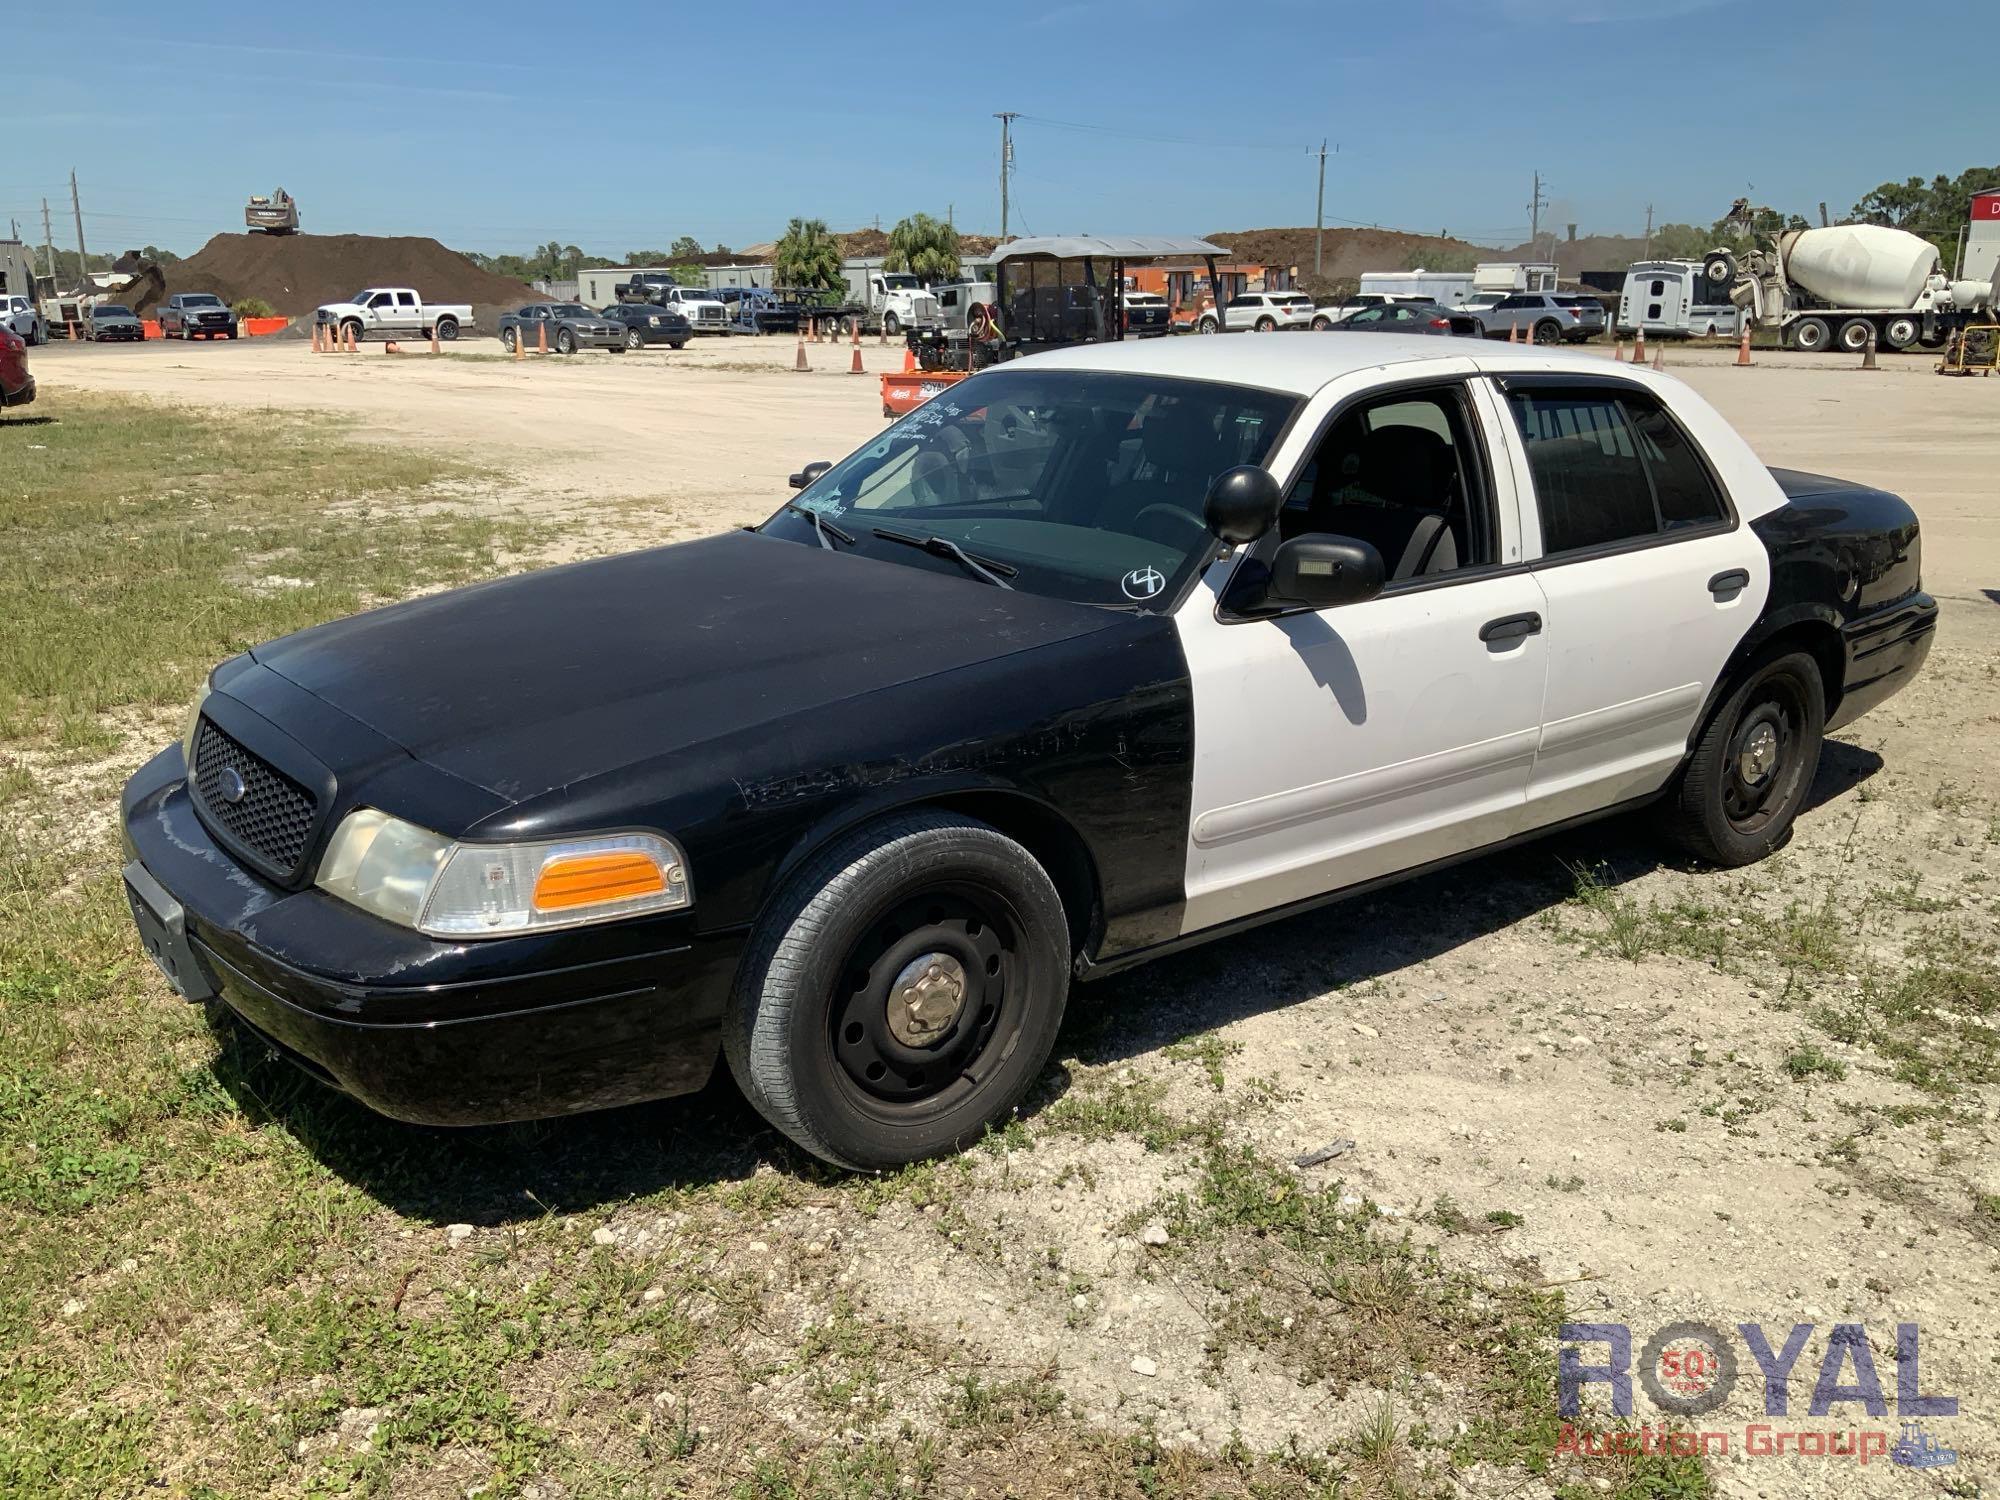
x,y
1610,467
1400,473
406,299
381,299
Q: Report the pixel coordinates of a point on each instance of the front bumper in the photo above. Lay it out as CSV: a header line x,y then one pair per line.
x,y
118,335
510,1029
597,338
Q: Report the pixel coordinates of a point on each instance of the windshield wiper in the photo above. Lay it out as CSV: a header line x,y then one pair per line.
x,y
995,573
822,528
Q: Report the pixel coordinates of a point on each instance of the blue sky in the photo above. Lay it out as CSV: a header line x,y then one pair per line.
x,y
503,125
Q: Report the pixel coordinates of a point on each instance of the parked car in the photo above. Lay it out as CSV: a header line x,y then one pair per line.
x,y
555,842
565,326
1261,312
646,324
1325,317
190,315
1410,317
111,322
17,385
22,316
1543,317
1147,315
393,312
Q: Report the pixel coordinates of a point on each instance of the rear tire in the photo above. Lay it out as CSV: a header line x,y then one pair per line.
x,y
1206,325
1810,335
1266,325
1754,765
1854,335
447,329
1321,325
1547,333
820,1034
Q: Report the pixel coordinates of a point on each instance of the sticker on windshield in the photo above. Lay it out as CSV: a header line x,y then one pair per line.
x,y
1143,583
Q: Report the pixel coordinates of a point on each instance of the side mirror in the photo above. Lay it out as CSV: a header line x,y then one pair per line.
x,y
809,473
1243,504
1325,571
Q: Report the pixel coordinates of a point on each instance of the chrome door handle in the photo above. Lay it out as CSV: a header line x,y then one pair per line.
x,y
1511,627
1734,581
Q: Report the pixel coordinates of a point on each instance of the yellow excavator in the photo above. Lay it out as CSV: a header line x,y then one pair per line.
x,y
277,214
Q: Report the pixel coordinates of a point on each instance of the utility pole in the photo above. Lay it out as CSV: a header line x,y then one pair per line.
x,y
48,245
1319,215
1649,231
1006,118
82,255
1535,206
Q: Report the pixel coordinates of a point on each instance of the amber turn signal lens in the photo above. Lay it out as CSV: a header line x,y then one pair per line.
x,y
588,879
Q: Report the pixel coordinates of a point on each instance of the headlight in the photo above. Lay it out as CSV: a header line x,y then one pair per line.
x,y
194,718
419,879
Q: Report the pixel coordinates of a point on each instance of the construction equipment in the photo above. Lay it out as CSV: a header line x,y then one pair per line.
x,y
277,214
1836,286
1972,350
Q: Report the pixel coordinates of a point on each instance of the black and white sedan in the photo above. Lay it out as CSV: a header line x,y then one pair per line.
x,y
1092,657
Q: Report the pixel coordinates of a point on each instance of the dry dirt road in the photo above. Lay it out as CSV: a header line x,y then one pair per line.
x,y
1762,1097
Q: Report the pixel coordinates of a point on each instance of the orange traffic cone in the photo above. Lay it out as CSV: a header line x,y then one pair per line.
x,y
800,363
909,362
1513,334
434,338
1868,352
881,334
855,368
1660,357
315,338
1639,347
520,345
1743,346
390,348
855,324
353,340
541,338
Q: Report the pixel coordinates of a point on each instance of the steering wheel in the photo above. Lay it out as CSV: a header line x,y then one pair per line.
x,y
1175,512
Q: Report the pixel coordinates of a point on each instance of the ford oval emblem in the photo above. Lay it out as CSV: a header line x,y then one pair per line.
x,y
229,782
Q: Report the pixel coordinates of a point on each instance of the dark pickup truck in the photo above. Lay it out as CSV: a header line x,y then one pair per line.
x,y
193,315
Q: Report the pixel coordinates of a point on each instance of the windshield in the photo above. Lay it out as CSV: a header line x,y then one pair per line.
x,y
570,310
1091,485
200,299
112,310
901,283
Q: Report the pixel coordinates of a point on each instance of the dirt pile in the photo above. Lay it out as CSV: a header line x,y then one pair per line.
x,y
297,272
1349,252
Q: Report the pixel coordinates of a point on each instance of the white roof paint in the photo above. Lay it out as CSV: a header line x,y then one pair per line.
x,y
1114,247
1302,363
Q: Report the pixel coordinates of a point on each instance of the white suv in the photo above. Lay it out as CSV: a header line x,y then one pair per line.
x,y
21,315
1261,312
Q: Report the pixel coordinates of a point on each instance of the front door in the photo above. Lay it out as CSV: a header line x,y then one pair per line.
x,y
1336,746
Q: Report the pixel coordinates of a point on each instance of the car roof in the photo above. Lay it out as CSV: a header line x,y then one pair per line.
x,y
1301,363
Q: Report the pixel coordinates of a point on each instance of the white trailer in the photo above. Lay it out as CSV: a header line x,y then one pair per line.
x,y
1674,299
1454,288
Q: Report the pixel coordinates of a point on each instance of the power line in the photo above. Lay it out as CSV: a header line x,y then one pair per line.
x,y
1158,140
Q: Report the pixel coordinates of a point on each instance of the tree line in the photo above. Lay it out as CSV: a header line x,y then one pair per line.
x,y
808,255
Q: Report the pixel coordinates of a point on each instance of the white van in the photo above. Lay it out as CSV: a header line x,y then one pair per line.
x,y
1673,298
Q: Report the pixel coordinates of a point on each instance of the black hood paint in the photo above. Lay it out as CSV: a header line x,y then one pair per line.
x,y
536,682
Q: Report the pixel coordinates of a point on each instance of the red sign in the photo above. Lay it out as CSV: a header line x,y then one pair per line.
x,y
1986,206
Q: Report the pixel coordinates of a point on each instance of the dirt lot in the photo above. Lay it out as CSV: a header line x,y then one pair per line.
x,y
1583,1070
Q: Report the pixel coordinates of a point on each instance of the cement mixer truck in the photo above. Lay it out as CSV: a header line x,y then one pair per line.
x,y
1834,286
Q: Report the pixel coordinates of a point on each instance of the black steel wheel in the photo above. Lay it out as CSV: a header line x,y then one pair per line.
x,y
1547,333
1755,762
903,991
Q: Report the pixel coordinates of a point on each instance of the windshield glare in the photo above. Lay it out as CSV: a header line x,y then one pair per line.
x,y
1092,485
570,310
901,283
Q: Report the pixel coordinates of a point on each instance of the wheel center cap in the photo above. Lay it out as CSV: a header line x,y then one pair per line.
x,y
1760,753
926,998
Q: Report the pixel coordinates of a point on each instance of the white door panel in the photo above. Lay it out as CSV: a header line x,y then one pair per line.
x,y
1636,641
1335,747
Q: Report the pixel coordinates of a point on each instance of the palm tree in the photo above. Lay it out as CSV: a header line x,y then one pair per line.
x,y
925,246
809,257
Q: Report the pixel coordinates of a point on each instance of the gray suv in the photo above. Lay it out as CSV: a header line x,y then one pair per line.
x,y
1543,317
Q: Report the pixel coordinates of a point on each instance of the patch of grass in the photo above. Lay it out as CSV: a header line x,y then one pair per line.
x,y
141,543
1207,1051
1809,1061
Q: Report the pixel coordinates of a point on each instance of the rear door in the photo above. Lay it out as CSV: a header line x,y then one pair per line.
x,y
1337,746
409,313
1651,581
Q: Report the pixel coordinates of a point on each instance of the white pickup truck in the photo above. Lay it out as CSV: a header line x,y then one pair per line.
x,y
388,312
705,312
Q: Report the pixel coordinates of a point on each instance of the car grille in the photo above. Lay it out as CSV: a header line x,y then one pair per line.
x,y
272,819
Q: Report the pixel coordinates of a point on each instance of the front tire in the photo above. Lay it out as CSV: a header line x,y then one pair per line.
x,y
633,340
509,339
1321,325
891,324
1206,325
902,992
565,341
1900,333
1754,764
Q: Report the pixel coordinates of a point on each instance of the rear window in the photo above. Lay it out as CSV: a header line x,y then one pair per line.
x,y
1610,467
